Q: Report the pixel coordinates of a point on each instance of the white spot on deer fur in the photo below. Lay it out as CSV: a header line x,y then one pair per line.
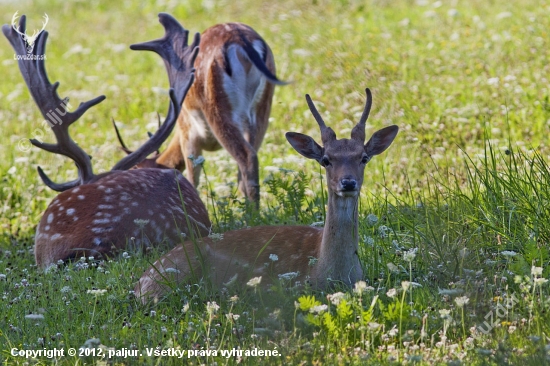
x,y
75,218
70,211
61,208
55,236
47,228
102,187
97,241
98,230
195,210
134,204
105,207
167,225
109,190
81,197
101,221
50,218
126,210
125,197
162,216
76,190
108,198
150,212
116,219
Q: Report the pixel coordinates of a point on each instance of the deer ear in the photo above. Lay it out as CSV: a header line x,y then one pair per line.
x,y
381,140
305,145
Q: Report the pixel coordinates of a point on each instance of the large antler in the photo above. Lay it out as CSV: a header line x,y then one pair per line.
x,y
179,59
54,109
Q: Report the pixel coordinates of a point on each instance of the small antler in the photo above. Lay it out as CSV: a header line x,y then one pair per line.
x,y
54,109
358,132
327,134
179,59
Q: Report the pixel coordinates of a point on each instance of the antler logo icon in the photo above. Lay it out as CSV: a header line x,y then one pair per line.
x,y
29,40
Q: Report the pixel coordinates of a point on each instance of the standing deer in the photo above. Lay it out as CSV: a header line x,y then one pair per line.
x,y
228,105
242,254
97,214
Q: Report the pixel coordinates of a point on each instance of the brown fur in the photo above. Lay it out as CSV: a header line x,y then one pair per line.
x,y
243,253
97,219
208,98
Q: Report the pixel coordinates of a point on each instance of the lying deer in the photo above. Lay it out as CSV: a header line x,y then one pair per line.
x,y
242,254
228,105
97,214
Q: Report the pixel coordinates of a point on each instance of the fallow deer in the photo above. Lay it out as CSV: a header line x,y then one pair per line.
x,y
228,105
320,256
97,214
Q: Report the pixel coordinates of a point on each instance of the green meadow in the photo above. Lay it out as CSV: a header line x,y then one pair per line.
x,y
454,217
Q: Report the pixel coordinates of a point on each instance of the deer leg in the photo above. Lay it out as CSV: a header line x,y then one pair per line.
x,y
232,139
172,157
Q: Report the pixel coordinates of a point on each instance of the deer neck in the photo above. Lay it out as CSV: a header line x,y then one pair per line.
x,y
338,254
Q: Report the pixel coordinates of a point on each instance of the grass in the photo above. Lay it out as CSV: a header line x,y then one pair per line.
x,y
454,216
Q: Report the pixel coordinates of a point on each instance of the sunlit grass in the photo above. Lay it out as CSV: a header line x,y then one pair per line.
x,y
456,209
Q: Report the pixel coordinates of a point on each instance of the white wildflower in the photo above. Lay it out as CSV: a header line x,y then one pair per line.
x,y
508,253
540,281
383,231
288,276
445,313
215,236
372,326
536,271
274,257
406,285
360,287
212,307
318,309
369,241
336,297
96,292
392,267
493,81
232,317
391,292
461,301
372,219
410,254
254,282
454,291
185,308
65,289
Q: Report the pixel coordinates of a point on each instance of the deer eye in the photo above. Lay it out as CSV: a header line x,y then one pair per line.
x,y
365,159
324,161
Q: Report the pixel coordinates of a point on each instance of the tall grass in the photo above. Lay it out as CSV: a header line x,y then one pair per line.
x,y
454,217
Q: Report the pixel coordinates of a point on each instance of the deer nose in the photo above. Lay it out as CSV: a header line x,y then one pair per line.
x,y
348,184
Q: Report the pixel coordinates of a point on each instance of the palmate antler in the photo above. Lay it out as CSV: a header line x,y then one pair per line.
x,y
178,58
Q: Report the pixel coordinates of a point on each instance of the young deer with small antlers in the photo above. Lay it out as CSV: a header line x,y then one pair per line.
x,y
228,105
243,253
96,214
